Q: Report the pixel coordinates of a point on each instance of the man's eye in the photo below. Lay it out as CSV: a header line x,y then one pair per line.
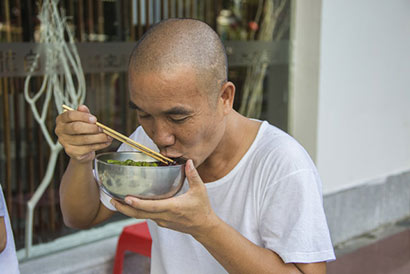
x,y
145,116
179,120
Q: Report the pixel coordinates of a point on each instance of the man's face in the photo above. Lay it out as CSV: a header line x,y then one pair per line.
x,y
176,114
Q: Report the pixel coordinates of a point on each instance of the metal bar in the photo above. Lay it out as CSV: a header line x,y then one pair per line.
x,y
27,21
125,115
100,17
30,140
7,152
205,9
139,14
169,9
18,160
101,82
81,25
218,8
118,20
191,14
19,111
101,96
51,193
92,90
7,131
71,9
126,20
92,77
162,9
61,168
132,26
40,167
7,17
90,17
129,117
147,15
154,12
19,21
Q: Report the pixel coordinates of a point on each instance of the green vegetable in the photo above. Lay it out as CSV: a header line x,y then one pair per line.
x,y
130,162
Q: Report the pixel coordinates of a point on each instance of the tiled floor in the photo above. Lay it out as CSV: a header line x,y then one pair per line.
x,y
387,256
390,255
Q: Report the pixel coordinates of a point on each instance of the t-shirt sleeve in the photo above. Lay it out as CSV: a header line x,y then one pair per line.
x,y
292,220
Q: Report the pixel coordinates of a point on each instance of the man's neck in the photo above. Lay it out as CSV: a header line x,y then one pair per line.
x,y
239,135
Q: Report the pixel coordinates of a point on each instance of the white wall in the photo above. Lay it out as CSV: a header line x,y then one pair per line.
x,y
363,130
304,73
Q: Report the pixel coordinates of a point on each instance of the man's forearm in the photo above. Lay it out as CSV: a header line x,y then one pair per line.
x,y
79,195
239,255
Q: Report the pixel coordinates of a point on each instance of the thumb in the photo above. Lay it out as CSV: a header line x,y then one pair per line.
x,y
192,174
83,108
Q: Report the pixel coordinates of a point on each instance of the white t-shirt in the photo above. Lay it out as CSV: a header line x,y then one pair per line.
x,y
272,197
8,258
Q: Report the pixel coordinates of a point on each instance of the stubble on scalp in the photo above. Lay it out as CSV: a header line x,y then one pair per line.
x,y
183,42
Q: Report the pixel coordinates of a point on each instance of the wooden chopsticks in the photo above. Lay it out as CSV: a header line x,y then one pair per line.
x,y
124,139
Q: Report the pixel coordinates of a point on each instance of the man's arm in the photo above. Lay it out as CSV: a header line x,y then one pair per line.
x,y
191,213
3,234
79,194
239,255
80,197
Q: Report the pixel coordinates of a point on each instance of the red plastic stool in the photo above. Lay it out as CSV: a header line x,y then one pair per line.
x,y
135,238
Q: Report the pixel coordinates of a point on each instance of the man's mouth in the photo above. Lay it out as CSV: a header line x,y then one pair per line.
x,y
177,158
171,155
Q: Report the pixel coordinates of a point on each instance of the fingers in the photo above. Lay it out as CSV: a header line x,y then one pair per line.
x,y
134,212
83,108
76,116
79,152
80,140
75,128
79,135
150,206
192,174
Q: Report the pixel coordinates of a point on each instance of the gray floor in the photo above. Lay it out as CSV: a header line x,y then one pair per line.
x,y
92,258
383,251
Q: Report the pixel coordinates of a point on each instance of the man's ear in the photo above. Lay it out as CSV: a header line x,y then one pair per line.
x,y
227,96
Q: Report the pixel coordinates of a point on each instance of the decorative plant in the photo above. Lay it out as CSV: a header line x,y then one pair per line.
x,y
63,80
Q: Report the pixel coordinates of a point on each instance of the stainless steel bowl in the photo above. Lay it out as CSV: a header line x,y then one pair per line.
x,y
143,182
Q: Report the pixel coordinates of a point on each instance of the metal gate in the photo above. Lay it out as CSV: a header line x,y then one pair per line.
x,y
98,24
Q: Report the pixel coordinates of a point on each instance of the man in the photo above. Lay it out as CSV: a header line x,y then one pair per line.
x,y
252,201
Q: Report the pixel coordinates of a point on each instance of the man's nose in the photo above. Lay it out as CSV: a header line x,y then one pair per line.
x,y
163,135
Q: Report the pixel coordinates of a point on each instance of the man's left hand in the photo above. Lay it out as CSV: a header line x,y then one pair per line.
x,y
190,212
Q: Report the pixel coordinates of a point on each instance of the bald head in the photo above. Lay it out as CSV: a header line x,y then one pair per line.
x,y
182,42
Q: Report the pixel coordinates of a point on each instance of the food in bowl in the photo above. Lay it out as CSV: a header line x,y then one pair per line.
x,y
130,162
133,173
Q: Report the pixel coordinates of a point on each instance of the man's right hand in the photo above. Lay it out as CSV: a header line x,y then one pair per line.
x,y
79,135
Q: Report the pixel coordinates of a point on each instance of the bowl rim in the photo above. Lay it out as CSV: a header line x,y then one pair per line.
x,y
96,159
